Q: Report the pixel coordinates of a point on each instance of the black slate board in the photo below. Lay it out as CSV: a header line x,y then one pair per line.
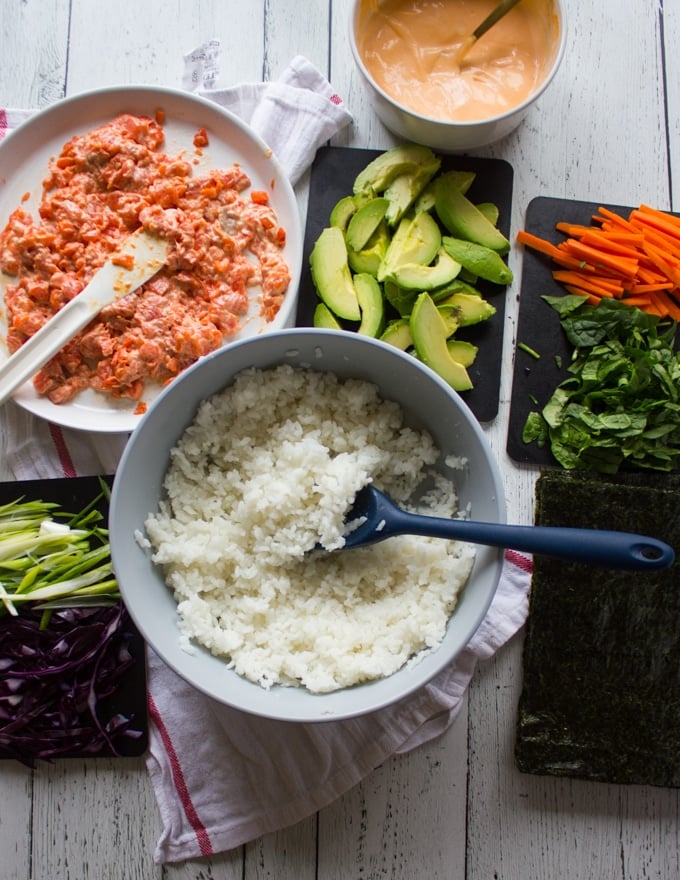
x,y
73,494
538,325
332,175
601,666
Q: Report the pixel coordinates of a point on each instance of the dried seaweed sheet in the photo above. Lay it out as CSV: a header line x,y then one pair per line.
x,y
601,666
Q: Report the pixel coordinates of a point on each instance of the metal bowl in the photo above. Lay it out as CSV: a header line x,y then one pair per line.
x,y
428,403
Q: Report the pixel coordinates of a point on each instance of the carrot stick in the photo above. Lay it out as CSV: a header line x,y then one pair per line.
x,y
574,230
671,308
648,209
664,262
608,243
548,248
613,217
620,265
651,288
593,283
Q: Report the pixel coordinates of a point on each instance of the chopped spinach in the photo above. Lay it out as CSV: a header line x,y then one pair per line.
x,y
619,407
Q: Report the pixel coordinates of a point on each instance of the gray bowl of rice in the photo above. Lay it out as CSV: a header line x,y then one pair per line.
x,y
239,475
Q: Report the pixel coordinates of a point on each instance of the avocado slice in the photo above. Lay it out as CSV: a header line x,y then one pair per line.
x,y
440,294
480,260
490,211
462,351
342,212
472,309
403,159
463,180
324,318
463,219
416,240
451,318
364,222
401,300
415,276
406,188
398,333
429,337
371,303
370,257
331,275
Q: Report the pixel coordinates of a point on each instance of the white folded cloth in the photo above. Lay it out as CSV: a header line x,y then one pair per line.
x,y
222,777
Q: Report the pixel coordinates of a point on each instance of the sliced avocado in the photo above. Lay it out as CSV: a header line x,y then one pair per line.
x,y
403,159
402,301
342,212
440,294
451,318
429,337
462,351
490,211
364,223
478,259
463,180
331,275
416,240
371,303
415,276
425,201
472,309
324,318
460,180
464,220
370,257
398,333
405,189
467,276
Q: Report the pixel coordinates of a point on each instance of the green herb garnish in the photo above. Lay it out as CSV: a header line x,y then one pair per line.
x,y
49,557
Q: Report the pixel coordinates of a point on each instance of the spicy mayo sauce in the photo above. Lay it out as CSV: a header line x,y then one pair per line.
x,y
410,49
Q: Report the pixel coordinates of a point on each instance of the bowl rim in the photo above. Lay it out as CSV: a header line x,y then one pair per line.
x,y
463,124
26,150
241,694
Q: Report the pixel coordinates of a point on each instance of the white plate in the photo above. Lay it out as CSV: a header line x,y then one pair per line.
x,y
24,158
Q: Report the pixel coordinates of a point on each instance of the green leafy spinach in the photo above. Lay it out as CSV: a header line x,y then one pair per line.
x,y
619,407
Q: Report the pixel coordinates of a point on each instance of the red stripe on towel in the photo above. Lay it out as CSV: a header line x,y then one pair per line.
x,y
65,459
180,782
517,559
3,124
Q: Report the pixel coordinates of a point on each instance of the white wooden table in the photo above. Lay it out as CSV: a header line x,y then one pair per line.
x,y
608,129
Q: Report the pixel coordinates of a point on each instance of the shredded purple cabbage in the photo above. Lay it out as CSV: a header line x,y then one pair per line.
x,y
55,682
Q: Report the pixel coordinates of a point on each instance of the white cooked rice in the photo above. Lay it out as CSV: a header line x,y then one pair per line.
x,y
266,471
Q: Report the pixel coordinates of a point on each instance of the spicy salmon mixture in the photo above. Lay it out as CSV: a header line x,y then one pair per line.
x,y
226,248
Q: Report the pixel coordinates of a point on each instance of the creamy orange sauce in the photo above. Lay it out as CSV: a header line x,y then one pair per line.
x,y
410,48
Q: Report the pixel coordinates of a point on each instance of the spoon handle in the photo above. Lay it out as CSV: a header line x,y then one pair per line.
x,y
621,550
491,19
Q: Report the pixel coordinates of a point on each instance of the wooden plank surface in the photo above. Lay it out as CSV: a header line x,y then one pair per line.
x,y
607,129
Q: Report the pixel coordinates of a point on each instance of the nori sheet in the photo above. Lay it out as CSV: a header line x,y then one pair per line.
x,y
601,660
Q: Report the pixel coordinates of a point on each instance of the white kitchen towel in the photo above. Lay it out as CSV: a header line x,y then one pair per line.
x,y
221,777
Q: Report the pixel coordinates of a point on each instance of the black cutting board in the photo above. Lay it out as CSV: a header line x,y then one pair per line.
x,y
72,495
538,325
332,176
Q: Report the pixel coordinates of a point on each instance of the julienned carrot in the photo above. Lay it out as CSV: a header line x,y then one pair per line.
x,y
658,221
593,283
635,259
597,257
549,249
